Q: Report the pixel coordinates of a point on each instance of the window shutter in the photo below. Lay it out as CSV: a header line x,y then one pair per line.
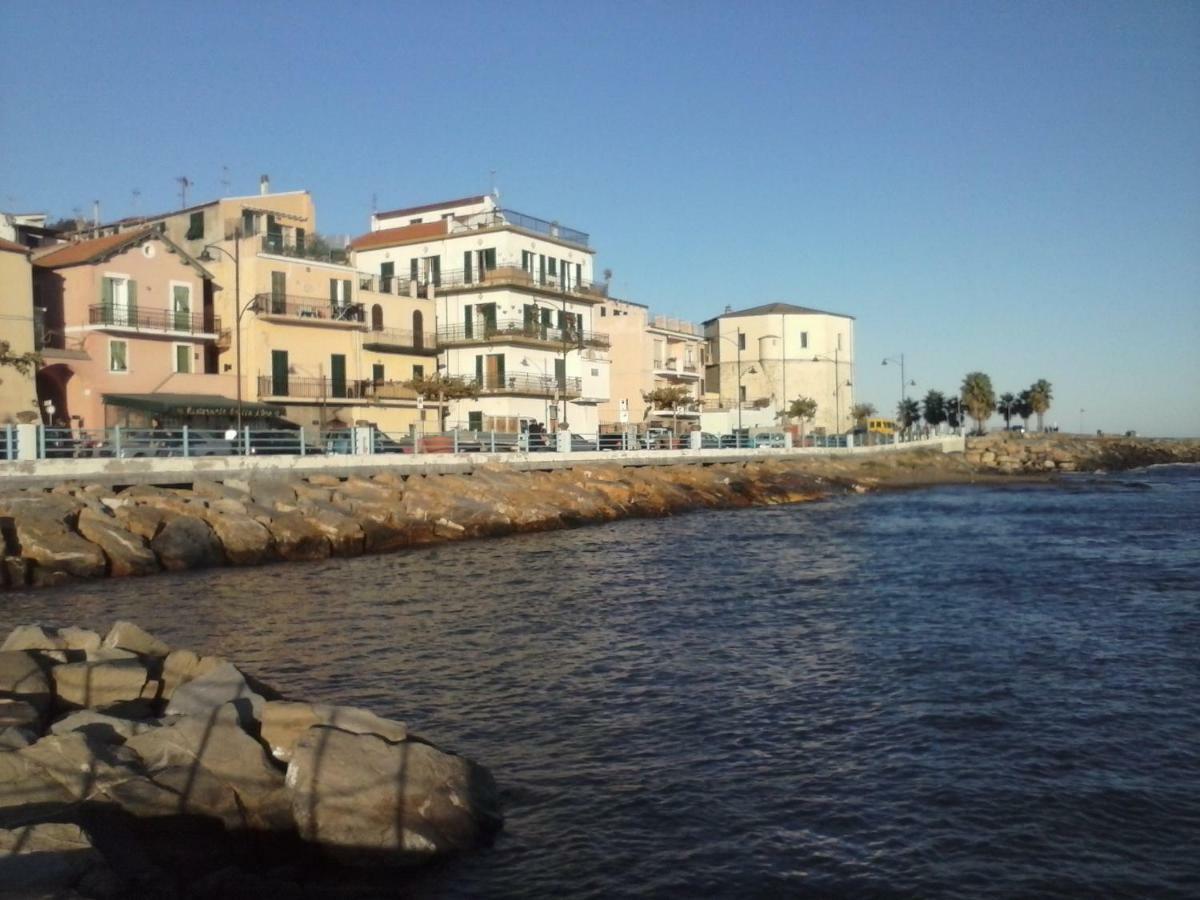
x,y
467,266
437,271
333,292
377,373
489,259
106,300
500,368
132,286
347,291
468,321
183,358
412,268
479,369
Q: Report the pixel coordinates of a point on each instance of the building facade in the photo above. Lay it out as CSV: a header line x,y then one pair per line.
x,y
515,305
18,392
761,359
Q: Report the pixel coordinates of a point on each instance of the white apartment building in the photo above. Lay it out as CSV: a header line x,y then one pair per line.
x,y
761,359
515,303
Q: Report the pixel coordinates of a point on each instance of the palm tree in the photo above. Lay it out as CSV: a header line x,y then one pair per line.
x,y
954,412
979,398
804,409
860,412
1039,399
907,412
935,408
1005,404
1025,406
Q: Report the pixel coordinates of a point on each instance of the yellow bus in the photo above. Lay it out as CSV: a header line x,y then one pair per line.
x,y
881,426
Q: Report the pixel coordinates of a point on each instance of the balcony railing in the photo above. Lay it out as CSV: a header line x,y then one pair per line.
x,y
313,388
517,330
277,245
510,273
153,319
321,310
391,340
500,217
536,385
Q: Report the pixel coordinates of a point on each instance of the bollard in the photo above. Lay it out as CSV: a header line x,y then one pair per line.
x,y
185,442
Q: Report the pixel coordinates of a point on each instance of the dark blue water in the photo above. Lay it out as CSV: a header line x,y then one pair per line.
x,y
957,692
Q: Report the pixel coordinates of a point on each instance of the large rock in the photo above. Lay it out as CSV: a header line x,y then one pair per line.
x,y
274,494
58,772
218,745
297,538
128,636
99,683
23,679
345,535
45,857
144,521
19,714
246,542
187,542
285,722
221,685
127,552
101,727
368,800
34,637
48,543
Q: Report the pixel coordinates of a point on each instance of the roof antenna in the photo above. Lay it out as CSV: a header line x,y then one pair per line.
x,y
224,181
495,192
137,195
184,184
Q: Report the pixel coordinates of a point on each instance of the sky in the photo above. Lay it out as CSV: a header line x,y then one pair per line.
x,y
1012,188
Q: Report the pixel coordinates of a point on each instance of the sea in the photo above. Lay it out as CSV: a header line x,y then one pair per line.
x,y
957,691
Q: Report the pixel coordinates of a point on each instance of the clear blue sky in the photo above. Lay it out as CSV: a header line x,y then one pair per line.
x,y
1009,187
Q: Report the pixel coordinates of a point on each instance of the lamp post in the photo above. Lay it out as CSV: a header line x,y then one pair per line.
x,y
236,256
738,346
837,387
904,384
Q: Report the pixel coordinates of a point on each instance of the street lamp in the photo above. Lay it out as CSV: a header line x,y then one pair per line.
x,y
751,371
837,387
904,385
236,256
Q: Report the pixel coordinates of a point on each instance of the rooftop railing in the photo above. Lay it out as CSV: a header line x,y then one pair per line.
x,y
398,341
510,272
313,388
278,245
141,319
500,217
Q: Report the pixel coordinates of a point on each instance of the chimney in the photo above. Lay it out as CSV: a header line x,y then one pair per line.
x,y
264,184
95,213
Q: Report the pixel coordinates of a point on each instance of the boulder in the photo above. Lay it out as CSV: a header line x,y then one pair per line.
x,y
229,507
367,800
101,727
19,714
274,494
45,857
22,678
144,521
345,535
181,666
355,488
57,772
128,636
48,543
216,744
246,542
297,538
37,504
213,491
127,552
221,685
285,722
79,638
13,738
16,572
98,683
187,542
311,492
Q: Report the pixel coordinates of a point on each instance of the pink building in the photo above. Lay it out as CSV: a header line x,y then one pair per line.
x,y
127,321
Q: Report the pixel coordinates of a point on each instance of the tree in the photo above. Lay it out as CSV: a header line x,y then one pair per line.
x,y
24,363
907,412
934,408
1006,404
1024,407
860,412
804,409
978,398
954,412
1039,399
671,397
444,388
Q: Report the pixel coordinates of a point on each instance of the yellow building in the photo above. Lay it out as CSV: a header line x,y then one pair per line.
x,y
18,393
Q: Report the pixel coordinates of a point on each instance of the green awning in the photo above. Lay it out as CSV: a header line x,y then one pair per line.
x,y
192,405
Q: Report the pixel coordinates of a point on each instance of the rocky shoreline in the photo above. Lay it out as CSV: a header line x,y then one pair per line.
x,y
128,768
77,531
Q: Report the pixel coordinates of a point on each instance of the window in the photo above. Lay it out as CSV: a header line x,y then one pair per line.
x,y
181,306
803,339
118,300
418,323
195,230
377,373
475,421
279,373
595,373
741,341
337,374
742,393
183,358
377,318
418,373
414,221
118,356
603,312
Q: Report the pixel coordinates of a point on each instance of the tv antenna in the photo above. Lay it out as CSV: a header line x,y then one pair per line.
x,y
224,180
184,184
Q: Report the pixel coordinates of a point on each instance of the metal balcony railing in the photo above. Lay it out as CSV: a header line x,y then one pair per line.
x,y
307,308
536,385
313,388
500,217
153,319
392,340
278,245
509,272
518,330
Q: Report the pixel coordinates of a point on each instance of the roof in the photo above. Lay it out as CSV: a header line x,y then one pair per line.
x,y
190,404
775,309
97,249
409,210
388,237
12,247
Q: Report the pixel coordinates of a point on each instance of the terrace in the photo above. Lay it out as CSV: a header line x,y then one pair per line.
x,y
519,332
394,340
309,310
530,386
163,321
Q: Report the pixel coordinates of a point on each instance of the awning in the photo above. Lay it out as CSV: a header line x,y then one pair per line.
x,y
192,405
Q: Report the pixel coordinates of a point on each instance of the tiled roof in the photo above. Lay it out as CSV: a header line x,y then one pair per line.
x,y
409,210
88,251
13,248
776,309
389,237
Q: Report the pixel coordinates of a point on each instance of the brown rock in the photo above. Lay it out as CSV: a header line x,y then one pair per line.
x,y
297,538
22,678
187,542
284,723
127,552
245,541
48,543
98,683
128,636
145,521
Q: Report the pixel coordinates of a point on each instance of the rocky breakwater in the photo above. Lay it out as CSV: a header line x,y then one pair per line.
x,y
84,531
1029,453
131,769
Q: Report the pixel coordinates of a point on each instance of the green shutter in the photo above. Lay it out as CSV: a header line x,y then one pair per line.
x,y
412,269
500,369
377,373
467,266
183,358
106,300
333,292
347,291
479,369
337,372
132,315
489,259
437,271
560,374
279,373
468,321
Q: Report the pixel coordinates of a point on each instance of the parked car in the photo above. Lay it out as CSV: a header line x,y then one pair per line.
x,y
769,439
707,441
617,441
736,440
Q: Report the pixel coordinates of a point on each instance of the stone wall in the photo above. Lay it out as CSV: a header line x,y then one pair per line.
x,y
1029,453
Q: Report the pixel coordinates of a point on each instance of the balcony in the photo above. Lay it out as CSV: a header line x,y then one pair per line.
x,y
530,386
516,331
277,245
160,321
675,368
309,311
391,340
510,274
501,217
312,388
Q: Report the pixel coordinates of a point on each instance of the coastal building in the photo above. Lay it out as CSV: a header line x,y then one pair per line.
x,y
325,344
678,352
761,359
18,392
123,318
515,304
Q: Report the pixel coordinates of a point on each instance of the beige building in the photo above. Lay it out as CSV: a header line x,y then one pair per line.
x,y
784,352
328,345
18,393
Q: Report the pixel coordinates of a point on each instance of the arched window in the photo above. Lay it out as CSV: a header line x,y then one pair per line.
x,y
418,330
377,318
